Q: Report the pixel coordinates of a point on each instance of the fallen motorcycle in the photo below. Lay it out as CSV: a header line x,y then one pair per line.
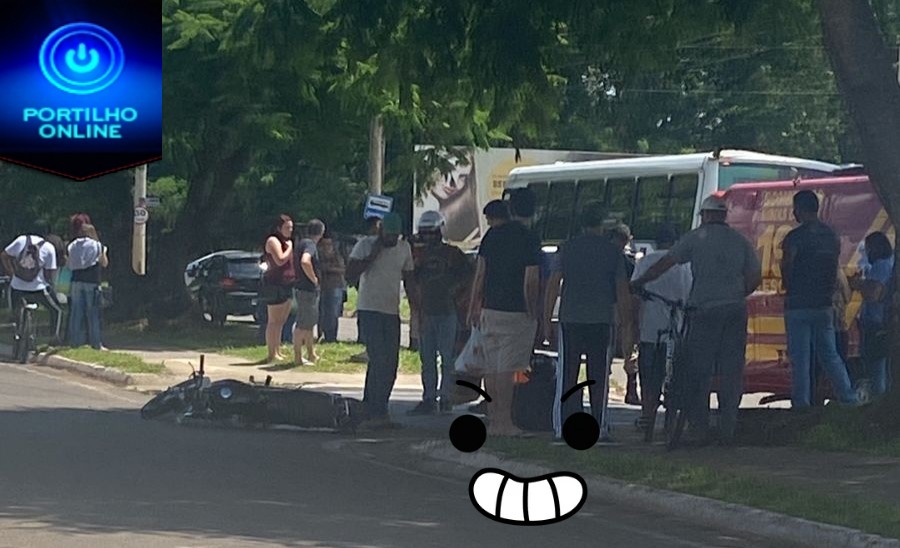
x,y
236,403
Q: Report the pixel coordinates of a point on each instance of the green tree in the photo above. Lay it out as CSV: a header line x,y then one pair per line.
x,y
854,37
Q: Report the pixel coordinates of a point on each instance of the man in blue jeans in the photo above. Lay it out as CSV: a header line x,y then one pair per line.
x,y
442,272
809,267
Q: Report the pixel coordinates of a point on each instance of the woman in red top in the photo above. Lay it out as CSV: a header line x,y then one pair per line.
x,y
277,282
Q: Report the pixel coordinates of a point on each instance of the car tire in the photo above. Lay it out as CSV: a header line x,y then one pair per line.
x,y
205,310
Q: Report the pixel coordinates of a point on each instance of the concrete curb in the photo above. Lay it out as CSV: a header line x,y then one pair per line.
x,y
711,512
93,371
106,374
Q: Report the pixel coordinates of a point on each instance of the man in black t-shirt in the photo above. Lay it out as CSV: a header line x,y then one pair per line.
x,y
809,274
505,306
306,292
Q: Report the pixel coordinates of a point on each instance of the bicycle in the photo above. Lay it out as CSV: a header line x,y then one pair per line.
x,y
25,343
673,393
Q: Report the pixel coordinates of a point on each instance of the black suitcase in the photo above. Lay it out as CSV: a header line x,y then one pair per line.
x,y
533,400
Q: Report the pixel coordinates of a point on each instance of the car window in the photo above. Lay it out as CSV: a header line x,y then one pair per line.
x,y
244,268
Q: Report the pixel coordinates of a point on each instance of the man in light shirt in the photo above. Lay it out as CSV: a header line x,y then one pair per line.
x,y
654,321
32,260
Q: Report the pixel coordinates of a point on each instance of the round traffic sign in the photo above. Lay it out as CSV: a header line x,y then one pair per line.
x,y
141,215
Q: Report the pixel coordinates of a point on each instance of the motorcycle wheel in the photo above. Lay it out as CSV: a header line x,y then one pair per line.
x,y
161,404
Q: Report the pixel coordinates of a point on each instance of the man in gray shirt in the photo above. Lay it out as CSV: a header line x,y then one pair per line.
x,y
594,281
726,271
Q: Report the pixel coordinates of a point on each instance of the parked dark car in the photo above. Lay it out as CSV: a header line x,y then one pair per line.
x,y
226,283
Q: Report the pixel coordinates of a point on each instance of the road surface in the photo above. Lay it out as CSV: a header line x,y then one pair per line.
x,y
79,468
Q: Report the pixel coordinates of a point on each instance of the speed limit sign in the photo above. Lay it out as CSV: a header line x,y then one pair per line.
x,y
141,215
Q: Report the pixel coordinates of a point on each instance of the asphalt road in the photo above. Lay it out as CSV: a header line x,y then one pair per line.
x,y
79,468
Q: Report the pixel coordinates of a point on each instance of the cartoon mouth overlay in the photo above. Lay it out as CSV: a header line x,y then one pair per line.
x,y
506,498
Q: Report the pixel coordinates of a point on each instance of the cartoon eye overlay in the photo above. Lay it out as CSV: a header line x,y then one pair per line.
x,y
509,499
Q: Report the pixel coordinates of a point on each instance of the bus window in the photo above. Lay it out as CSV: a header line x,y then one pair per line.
x,y
560,209
587,192
732,174
651,208
540,204
621,198
681,202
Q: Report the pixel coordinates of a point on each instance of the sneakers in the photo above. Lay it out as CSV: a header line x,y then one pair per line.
x,y
424,408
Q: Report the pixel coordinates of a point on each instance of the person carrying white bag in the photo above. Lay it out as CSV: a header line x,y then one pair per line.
x,y
471,360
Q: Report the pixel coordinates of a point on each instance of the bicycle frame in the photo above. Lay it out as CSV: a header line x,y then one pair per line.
x,y
25,335
674,336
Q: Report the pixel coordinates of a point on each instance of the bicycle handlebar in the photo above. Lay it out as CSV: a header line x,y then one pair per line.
x,y
651,296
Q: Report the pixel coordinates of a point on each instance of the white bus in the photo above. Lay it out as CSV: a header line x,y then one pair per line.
x,y
649,191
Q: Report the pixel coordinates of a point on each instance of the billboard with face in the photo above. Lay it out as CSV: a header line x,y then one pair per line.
x,y
477,176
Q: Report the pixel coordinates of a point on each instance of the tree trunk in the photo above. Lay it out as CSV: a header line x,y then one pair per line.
x,y
862,64
190,237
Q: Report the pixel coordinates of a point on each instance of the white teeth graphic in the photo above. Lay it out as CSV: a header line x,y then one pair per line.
x,y
537,501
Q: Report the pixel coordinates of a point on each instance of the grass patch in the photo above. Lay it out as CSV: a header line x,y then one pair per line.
x,y
872,516
185,334
128,363
334,358
851,430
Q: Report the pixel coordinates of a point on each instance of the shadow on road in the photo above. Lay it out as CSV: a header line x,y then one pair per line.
x,y
79,471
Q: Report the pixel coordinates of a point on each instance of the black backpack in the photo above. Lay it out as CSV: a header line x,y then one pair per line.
x,y
28,263
533,400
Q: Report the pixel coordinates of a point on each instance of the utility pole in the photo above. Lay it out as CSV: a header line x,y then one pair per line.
x,y
376,155
139,239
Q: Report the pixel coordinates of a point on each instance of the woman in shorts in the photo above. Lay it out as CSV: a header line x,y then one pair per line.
x,y
278,281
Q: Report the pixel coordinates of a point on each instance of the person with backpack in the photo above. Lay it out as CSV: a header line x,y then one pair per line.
x,y
33,261
87,258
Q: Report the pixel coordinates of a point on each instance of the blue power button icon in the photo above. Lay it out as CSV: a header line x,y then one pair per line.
x,y
81,58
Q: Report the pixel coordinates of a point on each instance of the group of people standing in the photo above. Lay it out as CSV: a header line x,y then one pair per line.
x,y
305,274
34,261
511,294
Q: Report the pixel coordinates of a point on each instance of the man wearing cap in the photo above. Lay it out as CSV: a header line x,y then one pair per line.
x,y
674,285
594,284
725,271
441,273
381,263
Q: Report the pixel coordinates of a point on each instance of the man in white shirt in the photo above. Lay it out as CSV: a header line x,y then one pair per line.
x,y
31,259
381,263
654,321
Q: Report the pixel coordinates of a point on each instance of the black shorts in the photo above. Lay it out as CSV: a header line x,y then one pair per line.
x,y
276,294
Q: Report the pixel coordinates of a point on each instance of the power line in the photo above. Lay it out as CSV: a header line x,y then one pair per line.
x,y
728,92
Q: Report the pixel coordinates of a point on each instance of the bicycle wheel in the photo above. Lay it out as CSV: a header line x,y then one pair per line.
x,y
26,338
675,421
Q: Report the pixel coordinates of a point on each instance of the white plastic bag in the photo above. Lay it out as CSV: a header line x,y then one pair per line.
x,y
471,359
